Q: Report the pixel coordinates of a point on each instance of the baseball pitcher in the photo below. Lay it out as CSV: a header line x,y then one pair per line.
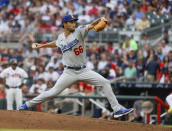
x,y
72,45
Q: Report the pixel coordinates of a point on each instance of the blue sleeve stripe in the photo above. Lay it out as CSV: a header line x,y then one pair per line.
x,y
69,45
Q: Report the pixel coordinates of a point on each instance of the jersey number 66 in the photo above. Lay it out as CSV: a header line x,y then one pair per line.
x,y
78,50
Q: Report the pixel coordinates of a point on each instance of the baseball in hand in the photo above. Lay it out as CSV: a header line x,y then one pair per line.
x,y
34,46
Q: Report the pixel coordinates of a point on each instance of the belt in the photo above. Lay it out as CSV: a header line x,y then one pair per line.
x,y
75,68
13,86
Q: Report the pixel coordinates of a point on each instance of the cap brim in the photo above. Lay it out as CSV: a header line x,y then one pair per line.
x,y
75,19
68,21
71,20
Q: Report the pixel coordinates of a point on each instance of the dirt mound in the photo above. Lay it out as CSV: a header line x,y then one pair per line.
x,y
38,120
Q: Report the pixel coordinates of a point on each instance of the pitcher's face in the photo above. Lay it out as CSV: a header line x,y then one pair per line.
x,y
70,26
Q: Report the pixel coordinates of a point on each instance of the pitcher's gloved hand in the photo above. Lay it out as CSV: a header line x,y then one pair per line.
x,y
101,25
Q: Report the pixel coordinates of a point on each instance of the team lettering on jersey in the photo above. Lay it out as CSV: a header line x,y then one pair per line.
x,y
69,45
15,75
83,26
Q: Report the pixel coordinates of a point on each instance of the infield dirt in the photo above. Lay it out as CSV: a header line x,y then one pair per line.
x,y
39,120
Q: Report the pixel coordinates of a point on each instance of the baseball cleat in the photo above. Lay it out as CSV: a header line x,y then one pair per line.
x,y
122,112
23,107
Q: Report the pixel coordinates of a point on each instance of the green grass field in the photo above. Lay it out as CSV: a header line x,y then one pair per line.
x,y
29,130
168,125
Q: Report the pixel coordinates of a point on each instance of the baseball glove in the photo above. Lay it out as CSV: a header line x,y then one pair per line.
x,y
101,25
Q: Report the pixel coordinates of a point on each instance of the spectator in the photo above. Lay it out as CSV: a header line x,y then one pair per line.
x,y
144,6
146,51
15,10
111,4
137,116
103,62
16,27
46,5
50,84
3,65
170,64
166,62
144,40
143,23
11,54
140,66
165,77
154,5
165,36
54,62
118,21
4,3
51,75
131,55
131,22
160,54
165,9
138,12
118,48
20,57
31,53
112,72
32,76
93,10
4,28
41,73
84,18
151,68
121,8
117,60
114,12
60,69
146,107
165,47
129,43
130,72
91,62
38,88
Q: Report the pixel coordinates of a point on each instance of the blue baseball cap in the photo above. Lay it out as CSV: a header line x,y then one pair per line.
x,y
68,18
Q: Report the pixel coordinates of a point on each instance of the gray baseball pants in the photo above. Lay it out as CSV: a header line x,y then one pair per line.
x,y
70,77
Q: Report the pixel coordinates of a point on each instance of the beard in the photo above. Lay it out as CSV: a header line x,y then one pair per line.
x,y
14,67
71,30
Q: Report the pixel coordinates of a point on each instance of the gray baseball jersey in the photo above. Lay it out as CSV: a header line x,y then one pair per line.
x,y
74,55
73,47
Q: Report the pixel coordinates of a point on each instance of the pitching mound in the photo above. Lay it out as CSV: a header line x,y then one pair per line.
x,y
38,120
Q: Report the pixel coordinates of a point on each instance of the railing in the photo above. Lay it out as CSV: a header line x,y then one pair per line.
x,y
160,103
143,85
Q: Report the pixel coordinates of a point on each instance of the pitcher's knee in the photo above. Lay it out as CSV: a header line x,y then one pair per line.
x,y
50,95
105,82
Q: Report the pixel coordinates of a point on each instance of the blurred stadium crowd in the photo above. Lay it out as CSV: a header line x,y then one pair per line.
x,y
24,21
44,16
